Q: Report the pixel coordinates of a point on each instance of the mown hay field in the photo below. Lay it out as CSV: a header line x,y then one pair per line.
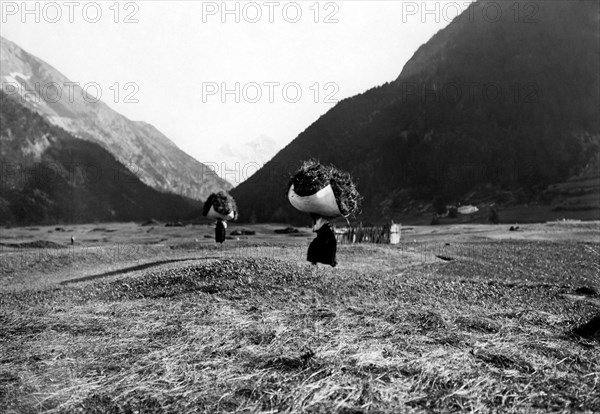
x,y
463,324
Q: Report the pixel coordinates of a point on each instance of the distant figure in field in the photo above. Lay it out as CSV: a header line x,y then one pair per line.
x,y
322,249
220,231
493,217
72,240
221,207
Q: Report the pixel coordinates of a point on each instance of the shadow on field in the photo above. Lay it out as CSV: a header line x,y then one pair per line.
x,y
131,269
590,330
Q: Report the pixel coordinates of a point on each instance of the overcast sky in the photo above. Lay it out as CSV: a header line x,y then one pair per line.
x,y
291,61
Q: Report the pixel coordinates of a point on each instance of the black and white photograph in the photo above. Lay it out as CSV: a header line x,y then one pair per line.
x,y
311,206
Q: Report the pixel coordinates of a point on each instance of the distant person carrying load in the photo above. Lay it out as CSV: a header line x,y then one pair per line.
x,y
220,206
220,231
325,193
493,216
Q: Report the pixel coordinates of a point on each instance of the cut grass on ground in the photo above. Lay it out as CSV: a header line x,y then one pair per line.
x,y
265,335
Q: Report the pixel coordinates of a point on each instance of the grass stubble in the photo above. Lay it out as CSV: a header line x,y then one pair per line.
x,y
264,335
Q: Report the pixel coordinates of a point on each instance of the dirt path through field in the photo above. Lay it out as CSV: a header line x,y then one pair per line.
x,y
131,269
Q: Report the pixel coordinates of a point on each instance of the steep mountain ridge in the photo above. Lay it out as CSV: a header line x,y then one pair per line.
x,y
48,176
155,159
508,105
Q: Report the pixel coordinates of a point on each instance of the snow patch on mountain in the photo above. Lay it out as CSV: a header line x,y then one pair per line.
x,y
237,163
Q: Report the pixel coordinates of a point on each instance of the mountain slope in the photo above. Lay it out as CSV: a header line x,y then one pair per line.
x,y
242,160
506,105
49,176
156,160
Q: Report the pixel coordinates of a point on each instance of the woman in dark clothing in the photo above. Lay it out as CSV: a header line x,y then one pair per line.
x,y
220,231
324,247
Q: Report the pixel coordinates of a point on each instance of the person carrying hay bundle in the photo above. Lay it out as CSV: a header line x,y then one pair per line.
x,y
325,193
324,247
221,207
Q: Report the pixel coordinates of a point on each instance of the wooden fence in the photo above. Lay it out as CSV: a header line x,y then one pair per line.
x,y
371,234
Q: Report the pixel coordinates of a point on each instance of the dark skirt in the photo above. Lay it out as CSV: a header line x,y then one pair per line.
x,y
323,248
220,232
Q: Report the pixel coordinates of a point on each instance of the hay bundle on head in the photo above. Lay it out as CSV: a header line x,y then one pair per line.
x,y
220,205
324,190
